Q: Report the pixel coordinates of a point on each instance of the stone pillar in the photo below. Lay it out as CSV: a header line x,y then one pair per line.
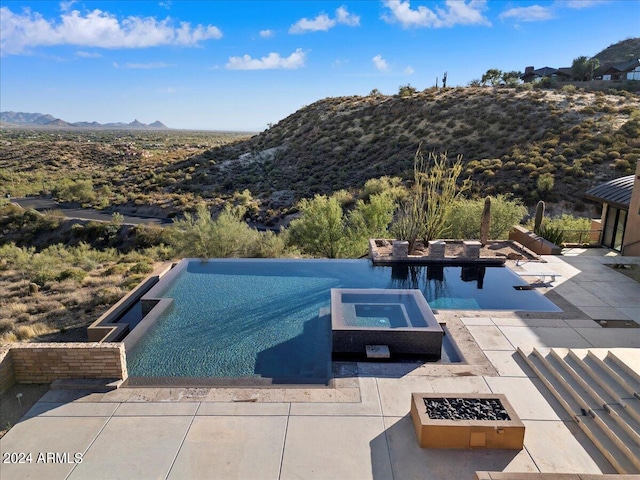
x,y
471,248
400,249
436,248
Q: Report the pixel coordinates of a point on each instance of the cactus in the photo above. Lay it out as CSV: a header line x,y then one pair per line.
x,y
485,222
539,215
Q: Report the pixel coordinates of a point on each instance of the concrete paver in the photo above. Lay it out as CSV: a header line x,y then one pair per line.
x,y
509,364
395,393
231,447
490,338
80,409
561,447
529,398
40,435
544,337
134,447
612,337
336,447
142,409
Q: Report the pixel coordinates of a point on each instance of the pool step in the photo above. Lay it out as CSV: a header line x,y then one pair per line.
x,y
590,386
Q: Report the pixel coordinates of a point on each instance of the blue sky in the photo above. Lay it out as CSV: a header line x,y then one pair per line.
x,y
240,65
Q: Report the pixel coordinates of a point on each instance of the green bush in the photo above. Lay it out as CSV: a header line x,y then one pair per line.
x,y
202,236
464,221
551,233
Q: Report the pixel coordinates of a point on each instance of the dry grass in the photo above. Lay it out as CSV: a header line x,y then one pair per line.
x,y
61,310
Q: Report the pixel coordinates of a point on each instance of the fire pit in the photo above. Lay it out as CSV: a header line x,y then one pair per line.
x,y
466,421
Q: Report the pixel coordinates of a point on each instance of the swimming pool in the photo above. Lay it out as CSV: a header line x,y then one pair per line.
x,y
232,318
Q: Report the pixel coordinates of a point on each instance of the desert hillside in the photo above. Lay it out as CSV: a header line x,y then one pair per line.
x,y
509,138
535,143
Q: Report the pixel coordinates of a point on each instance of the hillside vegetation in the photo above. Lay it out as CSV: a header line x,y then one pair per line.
x,y
531,143
509,140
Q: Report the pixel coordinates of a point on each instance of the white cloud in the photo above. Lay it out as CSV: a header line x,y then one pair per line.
x,y
266,33
166,5
578,4
65,6
345,18
19,32
380,63
534,13
322,22
409,70
269,62
82,54
456,12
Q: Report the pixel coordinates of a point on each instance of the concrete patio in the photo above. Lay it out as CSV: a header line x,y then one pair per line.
x,y
359,430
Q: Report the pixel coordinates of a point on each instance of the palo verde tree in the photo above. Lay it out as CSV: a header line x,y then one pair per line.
x,y
202,236
326,230
492,76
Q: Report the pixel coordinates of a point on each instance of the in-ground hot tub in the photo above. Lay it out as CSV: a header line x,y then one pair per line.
x,y
400,319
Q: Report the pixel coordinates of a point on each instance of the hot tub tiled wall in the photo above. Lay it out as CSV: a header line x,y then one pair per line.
x,y
46,362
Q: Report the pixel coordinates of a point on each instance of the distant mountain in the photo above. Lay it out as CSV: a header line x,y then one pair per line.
x,y
22,119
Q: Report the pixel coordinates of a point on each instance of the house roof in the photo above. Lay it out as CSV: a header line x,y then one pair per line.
x,y
616,192
620,67
545,71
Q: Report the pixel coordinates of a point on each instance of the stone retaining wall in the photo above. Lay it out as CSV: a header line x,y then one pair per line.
x,y
46,362
7,377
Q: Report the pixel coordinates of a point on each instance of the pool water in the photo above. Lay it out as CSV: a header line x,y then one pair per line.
x,y
260,318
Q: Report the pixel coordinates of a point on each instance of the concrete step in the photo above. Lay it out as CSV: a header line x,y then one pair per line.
x,y
619,436
598,397
622,417
558,369
556,386
606,377
602,386
627,374
609,424
606,446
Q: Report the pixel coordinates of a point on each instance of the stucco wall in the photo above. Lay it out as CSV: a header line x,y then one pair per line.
x,y
631,246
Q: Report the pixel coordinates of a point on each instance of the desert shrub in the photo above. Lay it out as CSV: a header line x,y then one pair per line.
x,y
75,274
392,186
202,236
75,191
272,245
545,183
325,230
573,229
142,267
464,221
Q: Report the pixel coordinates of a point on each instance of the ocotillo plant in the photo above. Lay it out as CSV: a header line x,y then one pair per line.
x,y
485,222
539,215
